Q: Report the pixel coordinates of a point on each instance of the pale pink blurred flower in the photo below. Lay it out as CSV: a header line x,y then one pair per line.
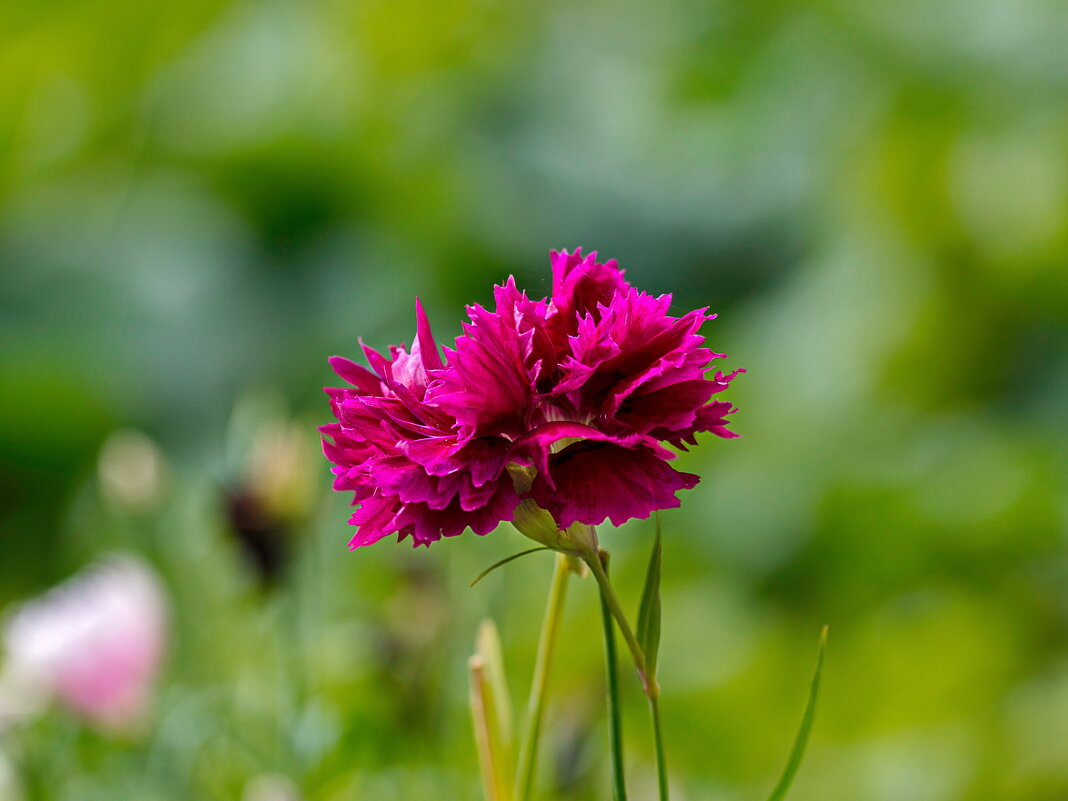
x,y
93,644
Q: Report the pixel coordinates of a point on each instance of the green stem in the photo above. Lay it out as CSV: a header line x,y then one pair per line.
x,y
658,735
615,722
649,685
608,594
528,751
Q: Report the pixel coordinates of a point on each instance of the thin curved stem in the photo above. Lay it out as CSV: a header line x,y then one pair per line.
x,y
608,593
615,721
528,751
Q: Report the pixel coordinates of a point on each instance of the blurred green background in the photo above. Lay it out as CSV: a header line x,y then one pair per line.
x,y
201,201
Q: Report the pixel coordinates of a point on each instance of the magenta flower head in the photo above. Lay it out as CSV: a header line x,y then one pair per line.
x,y
547,413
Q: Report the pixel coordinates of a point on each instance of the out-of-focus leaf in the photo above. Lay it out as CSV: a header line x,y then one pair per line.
x,y
649,612
806,727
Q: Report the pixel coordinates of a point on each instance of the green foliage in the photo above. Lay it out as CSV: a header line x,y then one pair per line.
x,y
203,200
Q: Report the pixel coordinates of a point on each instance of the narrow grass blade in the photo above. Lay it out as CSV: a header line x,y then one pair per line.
x,y
806,727
505,561
488,646
482,716
648,632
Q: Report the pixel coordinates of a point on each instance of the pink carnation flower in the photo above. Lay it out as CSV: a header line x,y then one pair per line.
x,y
93,643
567,401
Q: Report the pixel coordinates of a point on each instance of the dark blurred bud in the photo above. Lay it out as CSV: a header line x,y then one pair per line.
x,y
263,540
272,489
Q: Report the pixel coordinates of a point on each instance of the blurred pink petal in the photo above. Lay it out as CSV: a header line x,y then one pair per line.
x,y
94,643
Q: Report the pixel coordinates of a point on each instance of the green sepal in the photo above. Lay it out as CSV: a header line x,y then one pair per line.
x,y
648,632
532,521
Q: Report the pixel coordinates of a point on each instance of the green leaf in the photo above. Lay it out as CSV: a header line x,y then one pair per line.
x,y
806,727
505,561
649,612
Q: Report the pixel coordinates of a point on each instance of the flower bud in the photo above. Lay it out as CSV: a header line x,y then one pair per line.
x,y
536,523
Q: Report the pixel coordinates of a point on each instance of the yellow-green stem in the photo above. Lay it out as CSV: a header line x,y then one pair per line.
x,y
528,751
